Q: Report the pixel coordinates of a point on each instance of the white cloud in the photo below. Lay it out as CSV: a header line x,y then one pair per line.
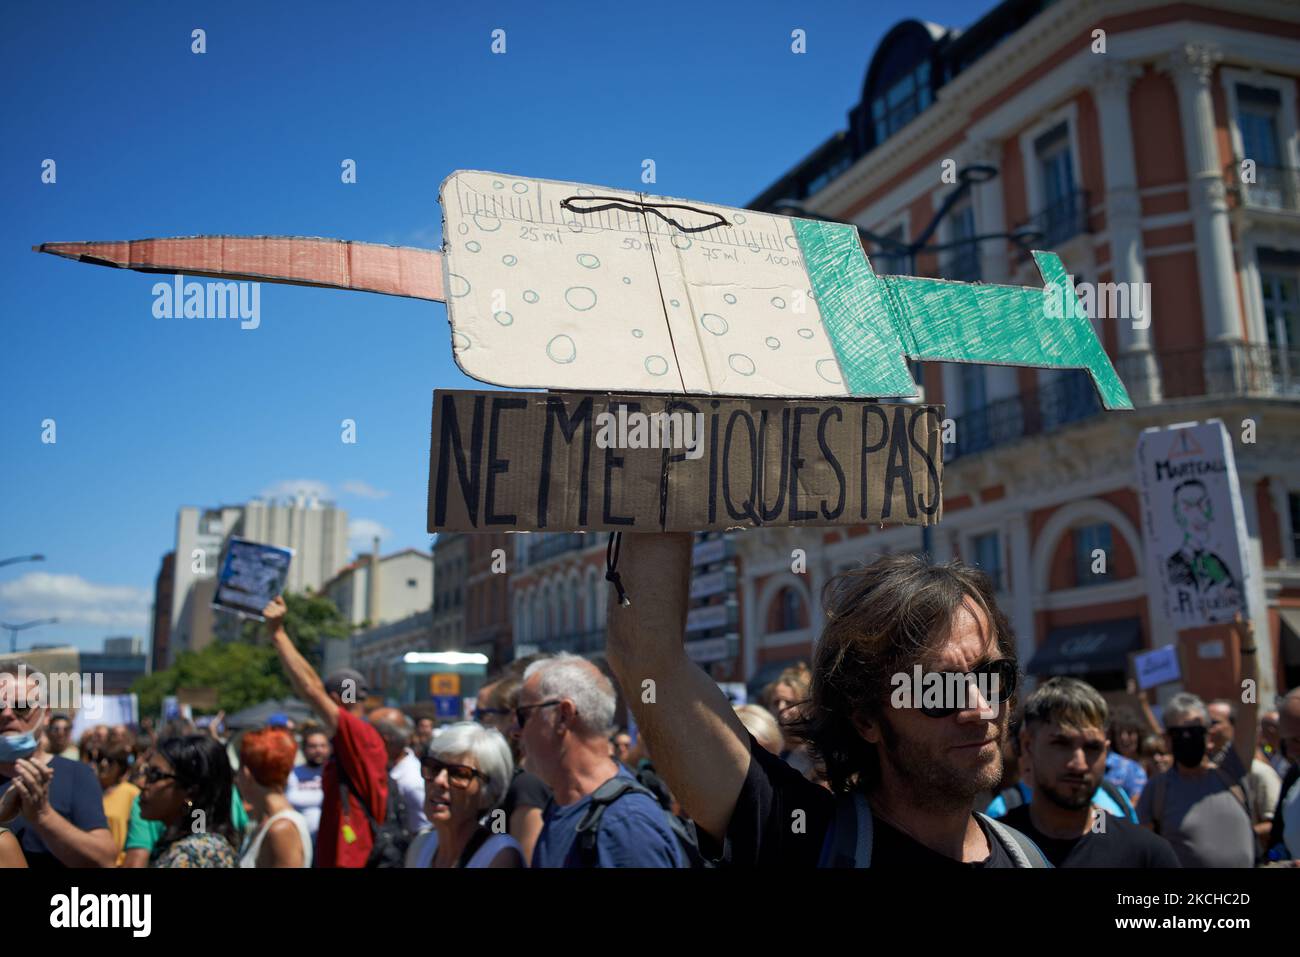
x,y
363,490
291,488
75,601
361,532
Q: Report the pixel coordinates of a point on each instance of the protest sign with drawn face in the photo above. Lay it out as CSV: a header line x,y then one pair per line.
x,y
1194,522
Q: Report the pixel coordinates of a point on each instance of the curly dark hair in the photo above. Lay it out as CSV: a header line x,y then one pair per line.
x,y
881,619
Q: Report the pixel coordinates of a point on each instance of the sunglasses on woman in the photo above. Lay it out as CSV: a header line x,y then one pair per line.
x,y
153,775
460,775
981,678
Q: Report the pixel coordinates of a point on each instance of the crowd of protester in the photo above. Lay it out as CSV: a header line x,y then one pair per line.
x,y
818,771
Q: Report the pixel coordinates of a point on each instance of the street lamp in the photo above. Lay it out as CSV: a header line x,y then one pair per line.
x,y
14,629
22,558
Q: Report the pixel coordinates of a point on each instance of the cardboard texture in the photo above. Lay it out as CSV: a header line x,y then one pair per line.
x,y
296,260
535,461
567,286
1194,523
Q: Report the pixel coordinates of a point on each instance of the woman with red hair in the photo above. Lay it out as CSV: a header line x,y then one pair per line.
x,y
282,839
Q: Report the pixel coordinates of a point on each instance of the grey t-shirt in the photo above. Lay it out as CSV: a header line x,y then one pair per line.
x,y
1202,819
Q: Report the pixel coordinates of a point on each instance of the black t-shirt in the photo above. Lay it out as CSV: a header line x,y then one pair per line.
x,y
1121,844
526,790
75,793
768,830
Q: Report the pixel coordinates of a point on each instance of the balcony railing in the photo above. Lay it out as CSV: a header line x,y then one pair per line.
x,y
1235,370
1275,187
1231,370
1067,399
1060,221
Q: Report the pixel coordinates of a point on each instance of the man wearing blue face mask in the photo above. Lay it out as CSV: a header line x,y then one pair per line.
x,y
53,806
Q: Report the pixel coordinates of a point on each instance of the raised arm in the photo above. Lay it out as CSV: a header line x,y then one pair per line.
x,y
1246,736
306,684
696,741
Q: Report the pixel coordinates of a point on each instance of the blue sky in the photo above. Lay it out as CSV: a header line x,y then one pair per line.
x,y
153,140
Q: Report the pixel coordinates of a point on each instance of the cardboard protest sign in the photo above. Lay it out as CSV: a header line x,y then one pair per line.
x,y
1157,667
203,698
567,286
251,575
1194,523
571,462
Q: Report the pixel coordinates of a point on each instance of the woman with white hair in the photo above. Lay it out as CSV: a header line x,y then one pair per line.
x,y
467,769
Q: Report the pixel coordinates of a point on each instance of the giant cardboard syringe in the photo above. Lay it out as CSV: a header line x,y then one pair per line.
x,y
644,315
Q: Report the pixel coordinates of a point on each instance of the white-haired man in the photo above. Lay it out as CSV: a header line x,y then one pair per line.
x,y
1199,806
599,815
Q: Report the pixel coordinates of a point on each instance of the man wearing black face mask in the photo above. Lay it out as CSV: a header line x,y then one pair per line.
x,y
1198,806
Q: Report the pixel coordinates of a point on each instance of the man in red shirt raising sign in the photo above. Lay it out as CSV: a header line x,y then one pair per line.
x,y
345,837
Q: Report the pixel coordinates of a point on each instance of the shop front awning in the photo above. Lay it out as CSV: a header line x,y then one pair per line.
x,y
1094,647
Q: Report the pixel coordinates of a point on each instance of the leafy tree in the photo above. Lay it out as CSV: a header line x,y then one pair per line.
x,y
243,675
310,620
247,671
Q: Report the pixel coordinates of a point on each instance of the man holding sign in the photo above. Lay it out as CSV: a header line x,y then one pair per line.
x,y
903,778
355,781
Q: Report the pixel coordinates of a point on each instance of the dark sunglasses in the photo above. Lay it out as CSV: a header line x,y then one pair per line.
x,y
481,713
23,713
1004,669
521,713
153,775
1190,731
461,775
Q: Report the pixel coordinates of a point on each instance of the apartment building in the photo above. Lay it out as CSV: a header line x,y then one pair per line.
x,y
1143,142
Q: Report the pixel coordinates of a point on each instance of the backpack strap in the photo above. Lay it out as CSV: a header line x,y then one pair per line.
x,y
1118,795
848,842
1019,847
489,849
1236,790
601,798
346,788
